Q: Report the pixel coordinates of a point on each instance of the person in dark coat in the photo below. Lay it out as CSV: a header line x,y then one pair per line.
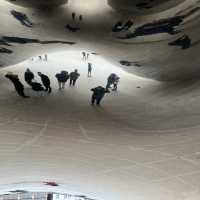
x,y
89,69
110,80
62,78
28,76
73,77
16,82
98,94
46,81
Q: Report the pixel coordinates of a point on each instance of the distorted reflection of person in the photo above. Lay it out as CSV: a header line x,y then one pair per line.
x,y
28,76
98,94
89,69
73,77
45,81
19,87
62,78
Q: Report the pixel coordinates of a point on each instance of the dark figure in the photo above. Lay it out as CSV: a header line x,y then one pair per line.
x,y
40,58
87,56
111,80
36,86
84,55
24,20
98,94
89,69
45,57
28,76
73,15
46,81
115,84
73,77
62,78
80,18
168,25
71,28
16,82
184,42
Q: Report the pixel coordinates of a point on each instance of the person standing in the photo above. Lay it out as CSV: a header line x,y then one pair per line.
x,y
84,55
45,57
80,18
89,69
16,82
28,76
73,77
98,94
74,16
62,78
46,82
87,56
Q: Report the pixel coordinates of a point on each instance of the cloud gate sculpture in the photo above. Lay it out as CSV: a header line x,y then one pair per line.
x,y
143,146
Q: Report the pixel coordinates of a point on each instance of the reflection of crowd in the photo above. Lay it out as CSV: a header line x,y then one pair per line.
x,y
62,78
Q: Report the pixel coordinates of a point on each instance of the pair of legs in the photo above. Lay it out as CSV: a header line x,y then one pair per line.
x,y
72,82
61,85
47,88
21,93
89,73
96,99
114,87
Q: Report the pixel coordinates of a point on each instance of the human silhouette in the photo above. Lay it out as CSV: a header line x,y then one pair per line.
x,y
22,18
98,94
111,80
16,82
73,77
62,78
28,76
45,57
84,55
89,69
80,18
87,56
46,82
73,15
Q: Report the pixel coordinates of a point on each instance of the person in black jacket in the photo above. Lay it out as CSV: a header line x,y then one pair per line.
x,y
62,78
98,94
16,82
73,77
46,81
28,76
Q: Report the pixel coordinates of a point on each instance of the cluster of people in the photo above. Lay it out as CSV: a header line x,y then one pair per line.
x,y
62,78
85,55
